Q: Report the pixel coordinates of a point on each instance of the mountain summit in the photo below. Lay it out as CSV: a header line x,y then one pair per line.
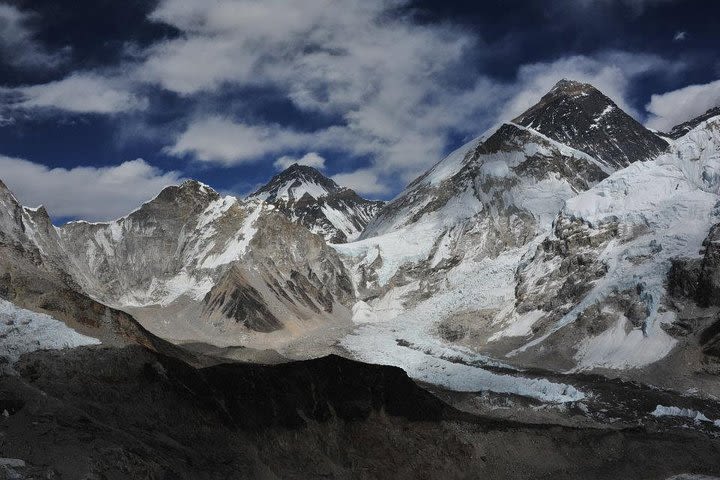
x,y
580,116
296,181
309,198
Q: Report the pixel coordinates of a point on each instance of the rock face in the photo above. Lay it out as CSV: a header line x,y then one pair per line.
x,y
580,116
203,265
311,199
35,274
699,278
128,413
709,281
288,278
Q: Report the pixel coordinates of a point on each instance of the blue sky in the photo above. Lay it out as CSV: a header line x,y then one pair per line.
x,y
102,103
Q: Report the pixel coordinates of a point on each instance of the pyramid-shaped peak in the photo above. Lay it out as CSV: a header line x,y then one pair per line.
x,y
297,170
296,181
581,116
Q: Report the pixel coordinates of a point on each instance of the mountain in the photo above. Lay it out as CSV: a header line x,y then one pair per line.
x,y
522,246
541,253
580,116
574,119
569,241
311,199
35,274
604,269
680,130
196,266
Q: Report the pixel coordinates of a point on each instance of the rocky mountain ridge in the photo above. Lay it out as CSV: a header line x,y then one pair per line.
x,y
580,116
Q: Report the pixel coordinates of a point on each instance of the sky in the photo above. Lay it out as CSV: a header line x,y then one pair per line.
x,y
104,102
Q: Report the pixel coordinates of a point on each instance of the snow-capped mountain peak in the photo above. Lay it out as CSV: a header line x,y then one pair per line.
x,y
309,198
295,182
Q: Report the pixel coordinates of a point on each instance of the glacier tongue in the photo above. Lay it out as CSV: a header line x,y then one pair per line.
x,y
24,331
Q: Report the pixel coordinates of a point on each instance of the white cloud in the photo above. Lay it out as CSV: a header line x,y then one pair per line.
x,y
611,72
311,159
18,46
671,108
401,89
91,193
405,128
364,181
221,140
390,79
394,82
80,93
680,36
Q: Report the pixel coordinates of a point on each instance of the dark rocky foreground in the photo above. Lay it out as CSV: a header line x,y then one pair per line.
x,y
113,413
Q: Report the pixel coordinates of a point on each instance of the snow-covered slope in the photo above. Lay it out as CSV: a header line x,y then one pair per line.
x,y
572,117
311,199
607,260
168,247
492,195
515,236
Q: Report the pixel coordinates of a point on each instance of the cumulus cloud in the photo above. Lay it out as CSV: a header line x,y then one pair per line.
x,y
79,93
221,140
364,181
611,72
311,159
18,46
401,88
91,193
405,129
671,108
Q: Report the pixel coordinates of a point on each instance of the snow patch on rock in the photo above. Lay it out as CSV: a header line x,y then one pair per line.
x,y
617,348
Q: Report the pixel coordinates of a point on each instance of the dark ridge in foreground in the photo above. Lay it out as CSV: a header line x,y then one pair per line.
x,y
112,413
